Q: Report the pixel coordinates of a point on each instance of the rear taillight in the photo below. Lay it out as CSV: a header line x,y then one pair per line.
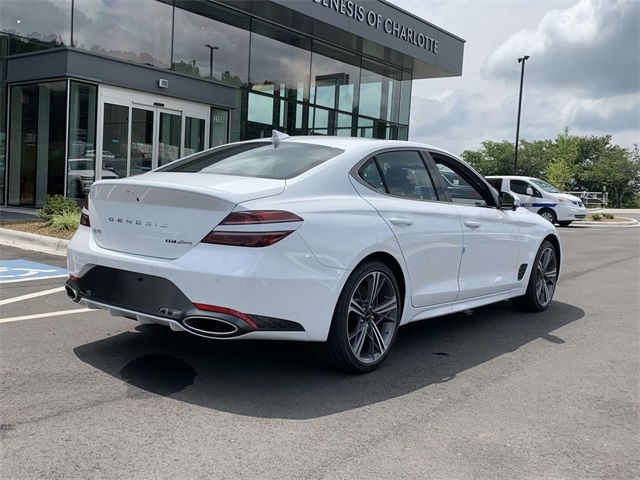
x,y
244,234
84,216
254,217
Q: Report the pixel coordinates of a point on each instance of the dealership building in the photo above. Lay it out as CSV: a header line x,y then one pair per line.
x,y
93,89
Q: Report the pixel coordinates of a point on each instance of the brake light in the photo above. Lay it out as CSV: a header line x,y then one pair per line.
x,y
255,217
251,238
84,216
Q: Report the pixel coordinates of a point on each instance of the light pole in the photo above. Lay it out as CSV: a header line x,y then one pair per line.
x,y
515,161
211,49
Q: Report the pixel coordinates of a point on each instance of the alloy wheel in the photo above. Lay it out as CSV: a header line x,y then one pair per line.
x,y
372,317
547,216
546,276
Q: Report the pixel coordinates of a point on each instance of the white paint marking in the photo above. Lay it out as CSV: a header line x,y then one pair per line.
x,y
31,295
45,315
33,279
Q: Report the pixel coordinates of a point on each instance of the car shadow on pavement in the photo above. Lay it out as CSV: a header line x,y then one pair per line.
x,y
283,379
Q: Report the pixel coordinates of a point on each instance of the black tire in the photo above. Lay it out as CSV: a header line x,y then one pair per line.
x,y
530,301
548,214
337,350
564,224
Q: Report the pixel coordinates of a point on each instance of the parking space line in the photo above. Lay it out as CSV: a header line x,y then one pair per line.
x,y
45,315
31,295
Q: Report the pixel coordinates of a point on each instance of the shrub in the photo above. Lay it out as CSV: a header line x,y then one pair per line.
x,y
608,216
596,217
68,221
57,205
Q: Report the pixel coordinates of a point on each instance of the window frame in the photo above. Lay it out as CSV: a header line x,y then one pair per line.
x,y
437,187
477,181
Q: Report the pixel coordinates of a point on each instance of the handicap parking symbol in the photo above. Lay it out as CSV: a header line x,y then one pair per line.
x,y
22,270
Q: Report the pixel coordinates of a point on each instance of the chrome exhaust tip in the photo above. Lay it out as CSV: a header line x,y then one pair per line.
x,y
210,326
72,293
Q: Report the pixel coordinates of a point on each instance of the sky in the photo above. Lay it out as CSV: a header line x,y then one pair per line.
x,y
583,72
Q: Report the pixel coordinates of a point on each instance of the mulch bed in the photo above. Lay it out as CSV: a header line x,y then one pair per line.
x,y
39,227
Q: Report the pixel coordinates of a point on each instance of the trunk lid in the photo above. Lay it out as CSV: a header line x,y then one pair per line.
x,y
165,215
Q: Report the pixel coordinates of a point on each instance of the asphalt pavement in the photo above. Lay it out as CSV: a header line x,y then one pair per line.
x,y
491,393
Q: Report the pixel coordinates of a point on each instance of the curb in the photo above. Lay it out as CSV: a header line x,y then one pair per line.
x,y
625,222
33,241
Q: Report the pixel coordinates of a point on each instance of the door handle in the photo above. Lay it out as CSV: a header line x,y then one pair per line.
x,y
472,224
401,221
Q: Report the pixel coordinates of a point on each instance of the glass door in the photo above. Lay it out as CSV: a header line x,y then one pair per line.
x,y
169,137
141,157
140,132
115,141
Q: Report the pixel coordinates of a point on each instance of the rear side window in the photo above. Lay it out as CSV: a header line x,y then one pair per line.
x,y
259,159
406,175
370,174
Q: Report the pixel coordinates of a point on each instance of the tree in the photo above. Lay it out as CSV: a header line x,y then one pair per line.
x,y
561,170
494,158
618,170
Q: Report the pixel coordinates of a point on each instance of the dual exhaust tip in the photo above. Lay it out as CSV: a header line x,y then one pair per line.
x,y
209,326
72,293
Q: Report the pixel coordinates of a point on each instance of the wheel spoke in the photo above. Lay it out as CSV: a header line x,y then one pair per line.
x,y
355,307
385,307
545,290
375,284
376,336
359,341
545,259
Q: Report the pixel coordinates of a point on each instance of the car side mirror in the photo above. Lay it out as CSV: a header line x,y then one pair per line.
x,y
508,201
530,191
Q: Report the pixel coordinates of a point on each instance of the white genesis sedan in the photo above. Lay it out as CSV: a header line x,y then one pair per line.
x,y
332,240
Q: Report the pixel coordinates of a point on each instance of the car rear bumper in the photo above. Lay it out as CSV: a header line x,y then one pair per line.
x,y
283,289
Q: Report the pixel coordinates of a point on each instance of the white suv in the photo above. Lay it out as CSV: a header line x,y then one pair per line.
x,y
543,198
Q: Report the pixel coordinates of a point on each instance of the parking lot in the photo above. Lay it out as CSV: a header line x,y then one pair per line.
x,y
491,393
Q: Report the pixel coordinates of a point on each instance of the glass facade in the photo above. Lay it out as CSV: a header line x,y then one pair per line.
x,y
284,80
37,143
138,30
83,102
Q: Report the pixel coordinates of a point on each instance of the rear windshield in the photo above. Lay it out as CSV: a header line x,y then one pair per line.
x,y
257,159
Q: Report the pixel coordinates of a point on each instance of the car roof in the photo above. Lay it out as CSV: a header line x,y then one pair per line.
x,y
358,143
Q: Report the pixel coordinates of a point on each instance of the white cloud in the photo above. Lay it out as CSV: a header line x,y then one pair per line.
x,y
592,47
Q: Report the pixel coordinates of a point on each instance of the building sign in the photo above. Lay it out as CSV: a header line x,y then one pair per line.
x,y
360,13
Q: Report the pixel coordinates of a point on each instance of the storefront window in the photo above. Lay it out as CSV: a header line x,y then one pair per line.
x,y
82,138
280,59
138,31
193,135
365,127
219,127
37,142
45,20
380,87
405,98
208,48
335,77
260,109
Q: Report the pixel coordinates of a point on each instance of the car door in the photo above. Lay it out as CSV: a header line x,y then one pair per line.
x,y
398,185
530,197
491,237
